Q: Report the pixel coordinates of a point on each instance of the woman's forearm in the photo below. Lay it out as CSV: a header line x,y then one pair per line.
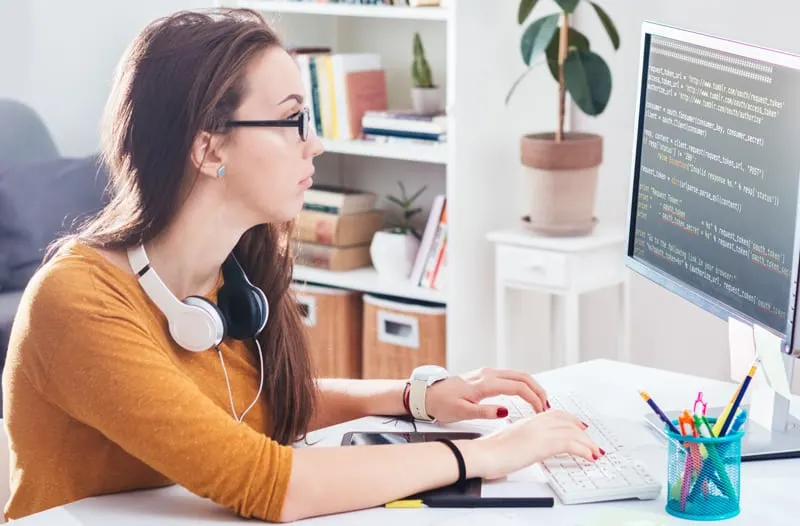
x,y
341,400
332,480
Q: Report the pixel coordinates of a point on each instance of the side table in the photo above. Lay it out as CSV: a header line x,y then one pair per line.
x,y
564,268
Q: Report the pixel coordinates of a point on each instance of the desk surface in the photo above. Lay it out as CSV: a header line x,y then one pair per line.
x,y
612,388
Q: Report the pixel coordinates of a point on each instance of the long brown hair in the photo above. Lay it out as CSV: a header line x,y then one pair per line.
x,y
183,74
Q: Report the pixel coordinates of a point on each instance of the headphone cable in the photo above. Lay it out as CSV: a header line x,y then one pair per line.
x,y
228,384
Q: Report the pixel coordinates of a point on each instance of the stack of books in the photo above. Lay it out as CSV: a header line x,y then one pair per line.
x,y
404,126
335,228
405,3
340,88
430,265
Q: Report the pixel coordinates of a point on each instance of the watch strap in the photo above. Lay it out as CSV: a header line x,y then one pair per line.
x,y
416,400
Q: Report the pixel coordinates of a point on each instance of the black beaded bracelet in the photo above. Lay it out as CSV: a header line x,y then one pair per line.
x,y
462,468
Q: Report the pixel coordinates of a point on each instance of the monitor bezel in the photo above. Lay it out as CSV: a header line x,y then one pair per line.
x,y
790,336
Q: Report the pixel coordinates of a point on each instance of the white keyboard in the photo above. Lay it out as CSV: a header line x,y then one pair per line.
x,y
615,476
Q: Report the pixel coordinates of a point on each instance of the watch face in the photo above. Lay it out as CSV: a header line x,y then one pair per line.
x,y
430,372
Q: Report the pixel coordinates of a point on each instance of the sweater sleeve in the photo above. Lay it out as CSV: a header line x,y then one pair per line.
x,y
98,363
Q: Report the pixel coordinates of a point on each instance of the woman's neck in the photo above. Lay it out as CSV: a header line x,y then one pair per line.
x,y
189,253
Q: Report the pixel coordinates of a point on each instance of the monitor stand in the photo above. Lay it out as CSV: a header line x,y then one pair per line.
x,y
771,432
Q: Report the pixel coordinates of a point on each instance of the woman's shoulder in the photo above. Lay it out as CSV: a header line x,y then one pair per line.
x,y
79,275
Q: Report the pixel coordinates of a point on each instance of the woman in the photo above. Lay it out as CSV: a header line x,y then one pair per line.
x,y
102,390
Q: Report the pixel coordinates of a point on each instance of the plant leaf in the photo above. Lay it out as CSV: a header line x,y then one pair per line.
x,y
608,24
525,8
396,201
537,36
417,194
575,40
588,80
567,5
519,79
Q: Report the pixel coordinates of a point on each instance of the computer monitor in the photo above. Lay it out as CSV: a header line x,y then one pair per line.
x,y
713,210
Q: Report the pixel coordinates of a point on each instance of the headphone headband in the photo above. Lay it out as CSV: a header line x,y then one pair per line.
x,y
152,283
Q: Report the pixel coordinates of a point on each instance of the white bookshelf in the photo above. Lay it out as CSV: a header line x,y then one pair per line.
x,y
373,165
434,153
470,45
351,10
367,280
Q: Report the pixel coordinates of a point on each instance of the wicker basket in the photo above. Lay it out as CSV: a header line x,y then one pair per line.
x,y
333,319
400,335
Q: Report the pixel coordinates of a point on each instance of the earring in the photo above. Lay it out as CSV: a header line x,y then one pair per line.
x,y
221,171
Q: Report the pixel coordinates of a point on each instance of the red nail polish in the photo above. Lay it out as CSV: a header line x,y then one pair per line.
x,y
584,424
502,412
594,456
601,451
547,403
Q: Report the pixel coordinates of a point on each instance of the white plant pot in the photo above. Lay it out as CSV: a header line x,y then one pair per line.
x,y
393,254
427,100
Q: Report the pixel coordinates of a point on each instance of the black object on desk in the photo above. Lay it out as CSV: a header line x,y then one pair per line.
x,y
470,501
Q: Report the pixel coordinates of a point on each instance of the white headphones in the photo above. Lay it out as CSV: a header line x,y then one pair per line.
x,y
197,324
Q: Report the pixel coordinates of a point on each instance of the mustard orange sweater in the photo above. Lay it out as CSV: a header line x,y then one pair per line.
x,y
98,399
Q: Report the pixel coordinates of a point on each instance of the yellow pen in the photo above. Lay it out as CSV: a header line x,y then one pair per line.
x,y
724,416
405,504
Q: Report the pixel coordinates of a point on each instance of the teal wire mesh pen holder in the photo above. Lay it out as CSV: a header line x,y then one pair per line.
x,y
704,476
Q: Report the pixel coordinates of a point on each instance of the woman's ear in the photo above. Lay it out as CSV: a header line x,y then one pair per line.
x,y
206,155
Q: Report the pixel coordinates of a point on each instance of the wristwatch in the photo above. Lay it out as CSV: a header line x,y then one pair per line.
x,y
421,378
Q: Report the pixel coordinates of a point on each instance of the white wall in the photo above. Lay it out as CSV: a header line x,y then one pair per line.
x,y
667,332
59,57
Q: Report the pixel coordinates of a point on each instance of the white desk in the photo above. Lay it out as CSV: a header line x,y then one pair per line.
x,y
767,487
564,268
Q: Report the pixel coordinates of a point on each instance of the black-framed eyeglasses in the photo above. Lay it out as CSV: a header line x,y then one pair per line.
x,y
302,122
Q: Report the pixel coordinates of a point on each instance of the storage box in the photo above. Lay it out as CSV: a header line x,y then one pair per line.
x,y
338,230
329,257
400,335
333,319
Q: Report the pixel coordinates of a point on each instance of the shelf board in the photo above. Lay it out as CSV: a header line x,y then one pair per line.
x,y
355,10
433,153
366,280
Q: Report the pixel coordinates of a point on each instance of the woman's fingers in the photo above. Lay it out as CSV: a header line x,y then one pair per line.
x,y
528,380
468,411
581,449
494,386
567,418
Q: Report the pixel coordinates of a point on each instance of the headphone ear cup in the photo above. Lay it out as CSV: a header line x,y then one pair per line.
x,y
200,325
245,310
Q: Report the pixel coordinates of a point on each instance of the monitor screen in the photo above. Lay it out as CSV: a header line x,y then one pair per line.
x,y
713,208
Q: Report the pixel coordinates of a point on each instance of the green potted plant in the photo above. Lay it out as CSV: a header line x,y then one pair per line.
x,y
426,97
562,167
394,248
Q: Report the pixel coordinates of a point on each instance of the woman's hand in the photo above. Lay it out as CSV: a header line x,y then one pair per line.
x,y
458,397
528,441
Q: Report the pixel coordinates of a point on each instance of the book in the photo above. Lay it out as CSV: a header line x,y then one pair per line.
x,y
436,253
366,91
405,121
338,230
329,257
428,235
346,89
338,200
340,88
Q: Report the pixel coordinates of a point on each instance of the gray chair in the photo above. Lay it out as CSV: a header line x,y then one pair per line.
x,y
24,137
42,194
